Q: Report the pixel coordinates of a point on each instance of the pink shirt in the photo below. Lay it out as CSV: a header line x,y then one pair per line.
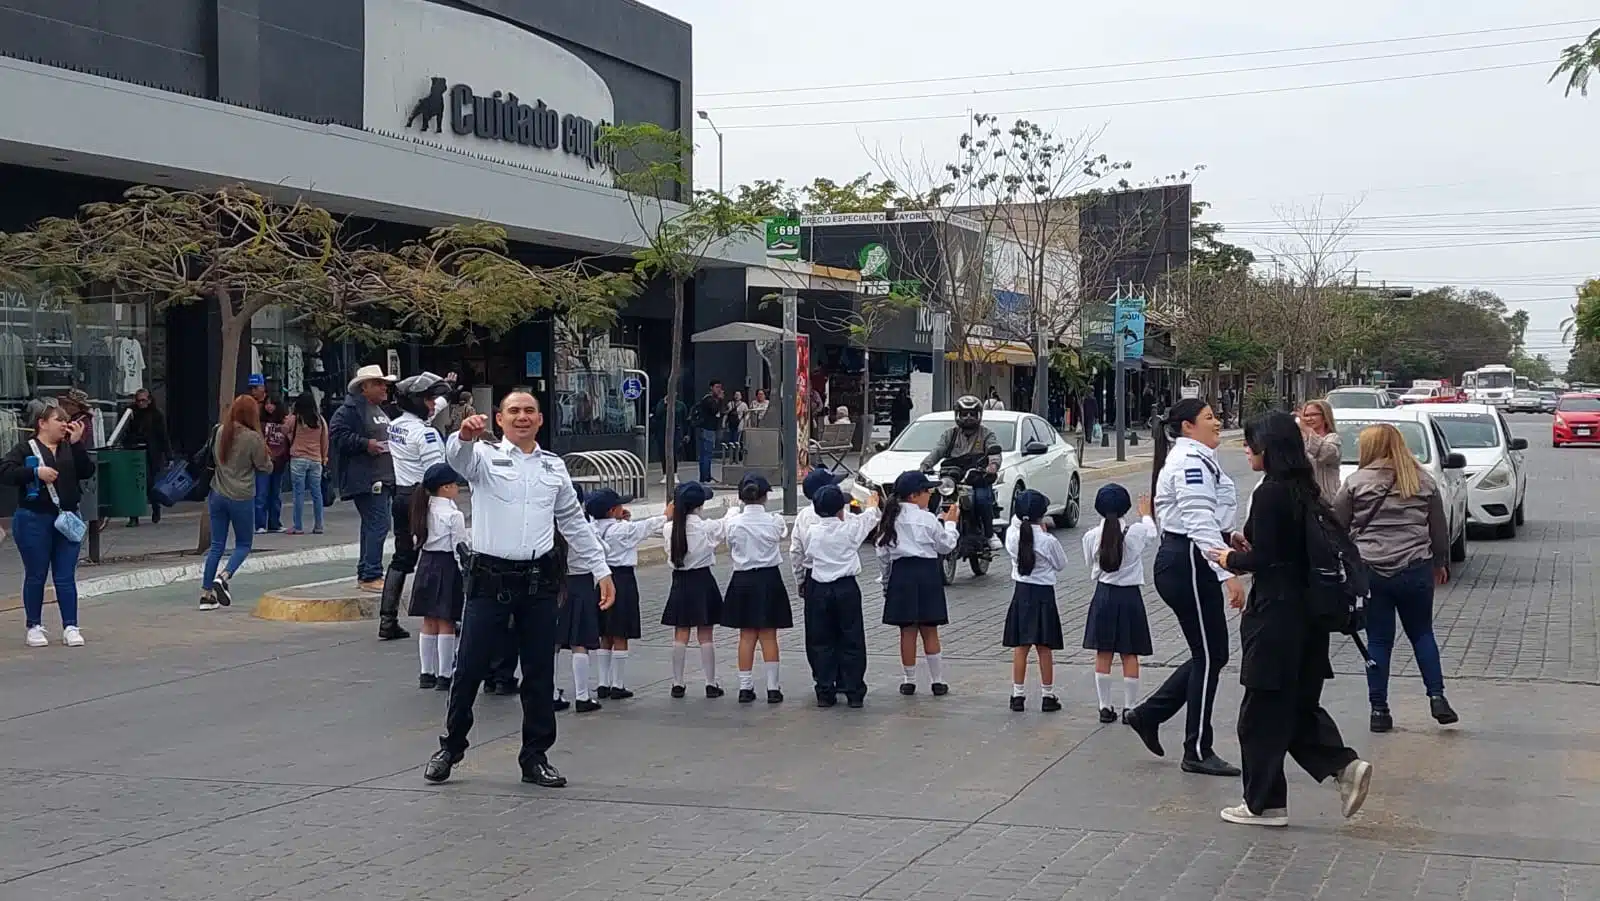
x,y
307,443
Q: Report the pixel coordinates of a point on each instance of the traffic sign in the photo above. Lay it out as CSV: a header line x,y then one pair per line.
x,y
632,388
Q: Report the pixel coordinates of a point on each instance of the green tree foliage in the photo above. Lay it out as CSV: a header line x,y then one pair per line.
x,y
1578,63
1443,333
1583,326
1208,251
1584,364
823,195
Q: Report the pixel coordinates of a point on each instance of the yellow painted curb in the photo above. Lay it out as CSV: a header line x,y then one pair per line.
x,y
316,604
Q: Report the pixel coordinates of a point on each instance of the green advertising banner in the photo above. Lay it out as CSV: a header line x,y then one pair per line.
x,y
783,238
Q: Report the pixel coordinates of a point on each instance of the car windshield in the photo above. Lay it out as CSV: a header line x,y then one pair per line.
x,y
1353,400
1350,439
1468,430
1496,379
922,435
1579,405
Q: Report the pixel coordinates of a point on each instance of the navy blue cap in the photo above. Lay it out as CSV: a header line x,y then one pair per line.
x,y
692,496
1112,500
602,501
438,476
912,481
818,478
1029,505
754,480
828,501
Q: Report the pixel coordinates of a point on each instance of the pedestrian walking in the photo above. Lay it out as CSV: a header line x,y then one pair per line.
x,y
438,594
521,496
359,433
1117,625
1284,654
707,419
694,602
578,623
910,542
308,459
993,401
1091,414
1396,519
900,408
240,455
619,624
836,640
147,431
269,485
414,446
1323,447
757,603
1032,620
48,472
1195,505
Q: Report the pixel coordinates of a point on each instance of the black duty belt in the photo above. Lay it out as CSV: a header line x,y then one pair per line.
x,y
506,579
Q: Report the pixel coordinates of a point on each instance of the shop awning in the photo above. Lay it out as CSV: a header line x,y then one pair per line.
x,y
738,331
988,350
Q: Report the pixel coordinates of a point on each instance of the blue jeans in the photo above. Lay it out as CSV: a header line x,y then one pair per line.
x,y
228,513
269,501
1410,594
707,447
375,513
305,479
45,552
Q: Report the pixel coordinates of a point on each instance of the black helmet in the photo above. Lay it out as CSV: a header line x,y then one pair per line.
x,y
969,412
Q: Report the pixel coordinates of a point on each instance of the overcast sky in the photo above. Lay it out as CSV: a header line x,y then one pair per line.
x,y
1440,151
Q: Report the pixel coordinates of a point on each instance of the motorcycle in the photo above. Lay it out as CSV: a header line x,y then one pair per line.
x,y
959,479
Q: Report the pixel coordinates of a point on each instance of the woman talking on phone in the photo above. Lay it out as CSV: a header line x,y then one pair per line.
x,y
48,471
1195,505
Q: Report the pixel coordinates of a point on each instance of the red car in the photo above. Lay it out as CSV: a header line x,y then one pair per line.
x,y
1577,420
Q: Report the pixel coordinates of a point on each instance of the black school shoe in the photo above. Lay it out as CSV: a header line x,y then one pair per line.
x,y
746,695
1381,720
1212,765
1443,713
441,683
603,692
439,765
545,775
1149,733
1107,715
855,702
827,698
619,694
714,691
774,696
679,691
908,688
1018,703
560,703
1050,704
426,680
940,689
583,706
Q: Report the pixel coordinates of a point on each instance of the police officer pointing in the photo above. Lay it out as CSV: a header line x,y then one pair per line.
x,y
521,494
1195,506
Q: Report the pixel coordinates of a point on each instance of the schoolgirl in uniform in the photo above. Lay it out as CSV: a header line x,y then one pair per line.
x,y
438,592
1117,624
1033,620
621,538
910,542
695,601
836,640
757,603
578,626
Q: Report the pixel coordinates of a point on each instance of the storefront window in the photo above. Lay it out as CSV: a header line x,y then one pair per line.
x,y
286,355
589,370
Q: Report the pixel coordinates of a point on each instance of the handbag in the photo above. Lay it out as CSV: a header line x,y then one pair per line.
x,y
69,524
328,493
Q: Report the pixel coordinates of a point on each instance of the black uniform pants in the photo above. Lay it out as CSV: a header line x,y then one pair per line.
x,y
836,639
405,544
1289,720
522,598
1189,586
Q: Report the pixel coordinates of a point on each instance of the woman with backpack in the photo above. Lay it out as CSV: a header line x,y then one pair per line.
x,y
1284,651
1397,521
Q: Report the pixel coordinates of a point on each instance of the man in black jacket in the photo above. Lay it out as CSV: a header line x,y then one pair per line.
x,y
359,434
147,431
707,417
899,413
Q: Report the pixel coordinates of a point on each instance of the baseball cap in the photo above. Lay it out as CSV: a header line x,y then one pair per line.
x,y
256,380
438,476
602,501
1029,505
828,502
692,495
818,478
912,481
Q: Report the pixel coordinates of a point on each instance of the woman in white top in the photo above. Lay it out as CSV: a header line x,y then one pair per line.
x,y
1033,620
1117,623
910,542
695,601
836,640
438,592
757,603
621,537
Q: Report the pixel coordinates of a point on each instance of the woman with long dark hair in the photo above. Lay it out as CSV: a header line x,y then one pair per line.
x,y
1195,505
1284,655
308,456
269,485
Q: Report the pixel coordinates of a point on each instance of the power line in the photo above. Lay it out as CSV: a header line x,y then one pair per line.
x,y
1361,250
1547,209
1152,62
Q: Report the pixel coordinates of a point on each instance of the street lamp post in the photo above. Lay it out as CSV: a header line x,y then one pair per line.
x,y
707,117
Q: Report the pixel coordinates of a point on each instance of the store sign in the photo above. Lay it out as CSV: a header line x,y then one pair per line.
x,y
507,118
783,238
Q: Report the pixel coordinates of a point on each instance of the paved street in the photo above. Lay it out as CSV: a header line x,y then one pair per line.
x,y
184,755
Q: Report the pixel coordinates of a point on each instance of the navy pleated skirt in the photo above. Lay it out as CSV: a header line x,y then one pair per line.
x,y
437,590
1033,618
578,618
622,620
914,593
695,600
1117,621
757,599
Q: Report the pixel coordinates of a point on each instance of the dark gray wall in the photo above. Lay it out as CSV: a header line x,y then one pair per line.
x,y
159,42
301,57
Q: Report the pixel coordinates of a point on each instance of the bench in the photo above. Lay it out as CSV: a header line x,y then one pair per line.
x,y
831,444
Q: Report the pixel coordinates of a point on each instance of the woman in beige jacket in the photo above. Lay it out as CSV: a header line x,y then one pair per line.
x,y
1322,446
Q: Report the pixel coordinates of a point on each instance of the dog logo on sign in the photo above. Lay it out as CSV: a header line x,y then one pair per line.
x,y
431,107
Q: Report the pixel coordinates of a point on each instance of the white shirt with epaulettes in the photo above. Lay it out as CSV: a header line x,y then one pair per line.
x,y
833,549
755,538
1195,498
703,537
1048,556
1136,538
622,537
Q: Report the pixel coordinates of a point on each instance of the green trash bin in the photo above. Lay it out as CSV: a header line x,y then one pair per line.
x,y
124,483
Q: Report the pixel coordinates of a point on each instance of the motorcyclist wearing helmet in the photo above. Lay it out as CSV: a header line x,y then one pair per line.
x,y
969,436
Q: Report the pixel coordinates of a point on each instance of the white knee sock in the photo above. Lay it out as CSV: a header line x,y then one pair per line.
x,y
1130,692
580,676
772,676
1047,690
1102,690
708,662
747,680
428,653
619,662
680,652
447,655
935,667
602,665
910,674
1018,689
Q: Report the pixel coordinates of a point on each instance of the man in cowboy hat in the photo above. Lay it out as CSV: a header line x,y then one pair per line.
x,y
359,434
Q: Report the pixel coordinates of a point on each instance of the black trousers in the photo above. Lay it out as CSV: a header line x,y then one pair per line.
x,y
1289,720
405,544
503,657
1189,586
502,596
836,639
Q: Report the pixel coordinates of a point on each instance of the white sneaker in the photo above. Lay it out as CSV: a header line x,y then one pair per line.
x,y
71,637
994,543
1241,816
37,638
1354,780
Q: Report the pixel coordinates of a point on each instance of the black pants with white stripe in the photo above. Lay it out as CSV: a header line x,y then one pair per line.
x,y
1189,586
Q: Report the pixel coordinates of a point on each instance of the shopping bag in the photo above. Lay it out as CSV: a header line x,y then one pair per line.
x,y
174,484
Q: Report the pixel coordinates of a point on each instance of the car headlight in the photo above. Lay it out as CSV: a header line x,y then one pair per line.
x,y
1497,477
1560,422
865,482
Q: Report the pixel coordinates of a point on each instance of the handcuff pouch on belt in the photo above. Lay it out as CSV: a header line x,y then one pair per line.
x,y
505,580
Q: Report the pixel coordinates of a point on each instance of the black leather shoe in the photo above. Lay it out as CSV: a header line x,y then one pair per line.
x,y
1149,733
679,691
855,702
603,692
560,702
545,775
1107,715
746,695
940,689
1019,703
1211,766
620,694
391,631
827,698
774,696
583,706
1050,704
714,691
1381,720
439,765
426,680
908,688
1443,713
442,683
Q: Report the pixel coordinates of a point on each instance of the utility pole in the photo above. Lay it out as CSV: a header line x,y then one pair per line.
x,y
707,118
941,377
788,386
1119,346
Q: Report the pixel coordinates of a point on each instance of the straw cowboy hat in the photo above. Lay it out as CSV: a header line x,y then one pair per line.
x,y
367,374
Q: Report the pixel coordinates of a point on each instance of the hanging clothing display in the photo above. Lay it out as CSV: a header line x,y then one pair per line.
x,y
295,381
13,367
129,358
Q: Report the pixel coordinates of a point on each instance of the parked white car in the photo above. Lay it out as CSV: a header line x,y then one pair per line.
x,y
1496,474
1428,444
1033,455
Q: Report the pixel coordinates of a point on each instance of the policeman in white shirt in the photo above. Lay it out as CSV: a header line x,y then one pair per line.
x,y
413,447
1195,506
836,641
521,494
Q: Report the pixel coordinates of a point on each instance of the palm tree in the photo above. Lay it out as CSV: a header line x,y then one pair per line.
x,y
1578,62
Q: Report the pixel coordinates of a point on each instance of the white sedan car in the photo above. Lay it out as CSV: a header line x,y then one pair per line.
x,y
1033,455
1497,479
1428,444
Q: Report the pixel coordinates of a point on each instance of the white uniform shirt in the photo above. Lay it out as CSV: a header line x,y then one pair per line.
x,y
1048,556
798,540
1195,498
518,501
1136,539
413,446
446,526
622,538
919,533
704,536
833,549
755,538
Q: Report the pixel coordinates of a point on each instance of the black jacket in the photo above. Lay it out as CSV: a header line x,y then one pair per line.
x,y
147,429
71,469
900,408
348,433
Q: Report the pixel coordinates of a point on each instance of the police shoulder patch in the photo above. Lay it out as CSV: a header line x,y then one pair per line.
x,y
1194,477
430,437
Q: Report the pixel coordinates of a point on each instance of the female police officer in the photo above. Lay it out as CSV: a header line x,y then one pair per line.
x,y
1195,505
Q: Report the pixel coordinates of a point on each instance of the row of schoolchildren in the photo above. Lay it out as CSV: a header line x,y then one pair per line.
x,y
824,553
